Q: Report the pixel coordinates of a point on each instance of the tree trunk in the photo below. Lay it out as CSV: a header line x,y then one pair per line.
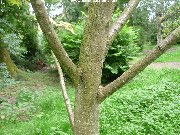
x,y
46,26
159,14
159,29
90,68
5,58
98,36
64,92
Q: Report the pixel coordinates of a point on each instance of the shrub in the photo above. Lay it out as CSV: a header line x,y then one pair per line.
x,y
123,49
5,79
72,41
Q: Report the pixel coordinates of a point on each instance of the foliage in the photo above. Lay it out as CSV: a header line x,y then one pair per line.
x,y
172,55
13,43
124,48
144,17
72,10
28,28
72,41
16,2
19,30
173,19
5,79
70,35
10,39
148,104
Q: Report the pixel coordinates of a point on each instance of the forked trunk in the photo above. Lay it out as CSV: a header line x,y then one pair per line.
x,y
90,69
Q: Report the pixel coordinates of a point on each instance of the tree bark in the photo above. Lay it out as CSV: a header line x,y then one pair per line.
x,y
5,58
165,44
159,29
54,43
97,37
121,20
90,65
65,95
159,14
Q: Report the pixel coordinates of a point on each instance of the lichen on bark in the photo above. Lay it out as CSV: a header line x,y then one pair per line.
x,y
90,65
5,58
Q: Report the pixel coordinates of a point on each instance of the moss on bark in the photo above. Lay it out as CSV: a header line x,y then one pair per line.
x,y
5,58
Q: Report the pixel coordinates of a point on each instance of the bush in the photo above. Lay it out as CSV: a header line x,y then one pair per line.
x,y
5,79
124,48
72,41
19,107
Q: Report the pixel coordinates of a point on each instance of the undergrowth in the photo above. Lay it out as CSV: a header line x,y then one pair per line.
x,y
149,104
172,55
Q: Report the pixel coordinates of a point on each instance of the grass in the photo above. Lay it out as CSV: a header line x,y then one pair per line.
x,y
39,107
50,117
172,55
149,104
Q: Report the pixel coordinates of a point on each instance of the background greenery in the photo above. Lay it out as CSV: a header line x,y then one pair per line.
x,y
147,105
33,104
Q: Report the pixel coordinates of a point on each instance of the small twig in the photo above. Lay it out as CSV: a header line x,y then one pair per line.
x,y
64,92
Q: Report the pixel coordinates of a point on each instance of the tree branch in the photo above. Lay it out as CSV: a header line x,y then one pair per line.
x,y
64,92
121,20
54,43
109,89
159,29
167,16
170,14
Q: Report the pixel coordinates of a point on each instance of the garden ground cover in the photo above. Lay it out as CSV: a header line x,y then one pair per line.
x,y
146,105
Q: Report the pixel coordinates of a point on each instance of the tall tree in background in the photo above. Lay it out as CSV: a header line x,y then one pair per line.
x,y
5,58
98,36
146,18
4,52
71,10
16,20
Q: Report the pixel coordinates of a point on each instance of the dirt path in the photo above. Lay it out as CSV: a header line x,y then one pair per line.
x,y
158,65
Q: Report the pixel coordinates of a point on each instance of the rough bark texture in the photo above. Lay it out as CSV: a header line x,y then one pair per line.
x,y
159,14
90,65
65,94
159,29
97,37
121,20
140,65
55,44
5,58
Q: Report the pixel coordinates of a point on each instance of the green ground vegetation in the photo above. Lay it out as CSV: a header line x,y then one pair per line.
x,y
149,104
172,55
